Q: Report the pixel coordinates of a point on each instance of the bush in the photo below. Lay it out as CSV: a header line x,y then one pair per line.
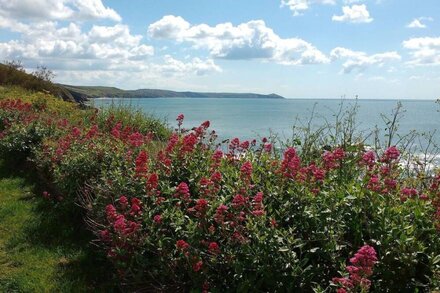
x,y
185,214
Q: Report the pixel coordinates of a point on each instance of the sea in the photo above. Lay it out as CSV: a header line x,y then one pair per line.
x,y
256,118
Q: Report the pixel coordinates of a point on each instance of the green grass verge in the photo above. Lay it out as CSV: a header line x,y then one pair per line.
x,y
41,251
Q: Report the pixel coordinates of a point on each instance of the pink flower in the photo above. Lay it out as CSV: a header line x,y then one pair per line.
x,y
135,207
369,159
157,219
76,132
391,154
360,269
238,201
205,124
221,209
189,142
141,164
182,190
201,205
182,245
216,177
246,169
197,266
136,139
153,181
123,202
290,164
244,145
217,156
213,247
179,119
105,235
267,147
120,224
111,213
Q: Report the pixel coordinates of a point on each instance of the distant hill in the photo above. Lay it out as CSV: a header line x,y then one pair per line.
x,y
113,92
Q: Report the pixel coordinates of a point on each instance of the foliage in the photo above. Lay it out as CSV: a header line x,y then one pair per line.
x,y
187,214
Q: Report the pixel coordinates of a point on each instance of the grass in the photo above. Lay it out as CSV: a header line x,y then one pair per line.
x,y
39,253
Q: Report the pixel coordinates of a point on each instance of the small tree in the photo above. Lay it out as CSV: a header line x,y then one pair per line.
x,y
14,64
43,73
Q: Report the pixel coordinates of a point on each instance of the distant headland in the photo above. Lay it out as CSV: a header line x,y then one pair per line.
x,y
87,92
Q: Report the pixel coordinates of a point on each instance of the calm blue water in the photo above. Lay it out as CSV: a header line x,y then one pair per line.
x,y
252,118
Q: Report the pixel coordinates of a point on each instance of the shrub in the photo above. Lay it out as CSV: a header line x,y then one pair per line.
x,y
187,214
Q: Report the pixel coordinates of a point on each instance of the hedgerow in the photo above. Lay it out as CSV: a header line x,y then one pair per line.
x,y
179,211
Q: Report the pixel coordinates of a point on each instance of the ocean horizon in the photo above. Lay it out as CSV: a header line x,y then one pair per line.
x,y
253,118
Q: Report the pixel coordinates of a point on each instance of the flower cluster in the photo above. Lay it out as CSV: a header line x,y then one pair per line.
x,y
359,271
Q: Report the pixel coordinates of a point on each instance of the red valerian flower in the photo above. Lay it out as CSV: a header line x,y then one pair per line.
x,y
172,141
390,154
235,143
179,119
76,132
246,169
116,130
136,139
153,181
111,213
157,219
213,247
205,124
217,156
290,164
120,224
135,207
92,131
141,163
197,266
368,159
182,245
244,145
105,235
238,201
406,193
216,177
201,205
189,142
360,269
123,202
182,190
267,147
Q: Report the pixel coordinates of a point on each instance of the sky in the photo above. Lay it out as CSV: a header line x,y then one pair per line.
x,y
373,49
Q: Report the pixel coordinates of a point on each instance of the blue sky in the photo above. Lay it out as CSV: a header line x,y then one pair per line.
x,y
297,48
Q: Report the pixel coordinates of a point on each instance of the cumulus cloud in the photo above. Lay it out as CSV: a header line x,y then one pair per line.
x,y
299,6
111,51
196,66
250,40
424,51
418,22
359,61
57,10
354,14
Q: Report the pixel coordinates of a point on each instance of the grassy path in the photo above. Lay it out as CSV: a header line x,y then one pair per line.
x,y
38,251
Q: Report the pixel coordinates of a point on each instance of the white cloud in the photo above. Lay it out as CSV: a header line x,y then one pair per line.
x,y
250,40
424,51
44,10
418,22
196,66
359,61
99,55
299,6
354,14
